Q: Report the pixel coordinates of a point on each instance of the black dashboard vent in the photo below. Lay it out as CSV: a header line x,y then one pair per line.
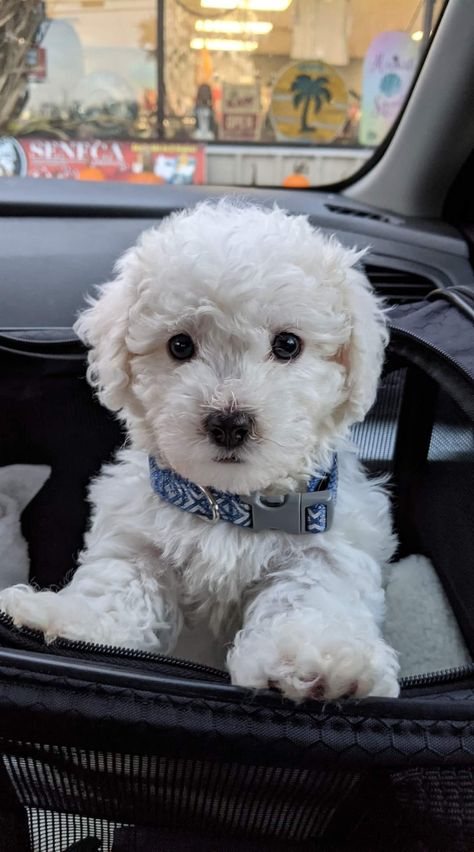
x,y
361,214
398,286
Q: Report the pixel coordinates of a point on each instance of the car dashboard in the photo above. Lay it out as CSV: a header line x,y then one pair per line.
x,y
59,240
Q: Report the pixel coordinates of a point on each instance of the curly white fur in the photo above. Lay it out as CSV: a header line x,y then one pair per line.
x,y
302,613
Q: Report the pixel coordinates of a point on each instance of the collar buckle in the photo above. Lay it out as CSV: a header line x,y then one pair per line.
x,y
287,512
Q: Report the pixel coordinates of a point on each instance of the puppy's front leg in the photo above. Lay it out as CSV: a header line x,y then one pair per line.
x,y
110,601
122,593
312,634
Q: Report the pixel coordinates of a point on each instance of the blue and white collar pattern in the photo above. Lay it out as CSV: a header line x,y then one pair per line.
x,y
297,512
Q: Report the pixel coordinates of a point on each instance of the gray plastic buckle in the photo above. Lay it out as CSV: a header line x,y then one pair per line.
x,y
287,512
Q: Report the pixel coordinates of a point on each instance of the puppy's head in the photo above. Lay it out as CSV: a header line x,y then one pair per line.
x,y
238,344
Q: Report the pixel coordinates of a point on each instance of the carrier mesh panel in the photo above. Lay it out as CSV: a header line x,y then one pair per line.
x,y
440,507
53,832
452,438
418,810
87,800
375,437
72,794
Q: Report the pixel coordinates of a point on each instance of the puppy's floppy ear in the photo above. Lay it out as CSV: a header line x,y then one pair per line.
x,y
103,327
363,356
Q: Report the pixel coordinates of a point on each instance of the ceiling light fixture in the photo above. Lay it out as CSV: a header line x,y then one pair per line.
x,y
254,5
417,36
234,27
233,44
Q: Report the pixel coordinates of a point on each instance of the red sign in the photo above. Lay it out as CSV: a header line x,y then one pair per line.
x,y
134,162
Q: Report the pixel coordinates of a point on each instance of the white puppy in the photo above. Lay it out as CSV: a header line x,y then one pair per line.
x,y
239,346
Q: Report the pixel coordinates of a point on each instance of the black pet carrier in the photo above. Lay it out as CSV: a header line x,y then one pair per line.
x,y
108,749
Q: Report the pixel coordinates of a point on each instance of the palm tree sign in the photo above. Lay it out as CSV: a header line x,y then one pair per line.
x,y
306,89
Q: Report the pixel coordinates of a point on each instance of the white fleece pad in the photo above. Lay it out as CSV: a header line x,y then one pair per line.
x,y
419,621
19,483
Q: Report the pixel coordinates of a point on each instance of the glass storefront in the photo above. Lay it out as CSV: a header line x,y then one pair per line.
x,y
263,92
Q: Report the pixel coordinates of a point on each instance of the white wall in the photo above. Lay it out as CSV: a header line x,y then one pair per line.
x,y
267,165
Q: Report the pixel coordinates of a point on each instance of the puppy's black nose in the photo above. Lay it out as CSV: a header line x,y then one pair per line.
x,y
229,430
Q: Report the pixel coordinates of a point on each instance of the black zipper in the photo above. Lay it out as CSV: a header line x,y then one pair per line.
x,y
134,654
36,637
438,678
443,676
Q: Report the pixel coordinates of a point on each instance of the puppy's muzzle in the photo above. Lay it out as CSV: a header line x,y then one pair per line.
x,y
229,430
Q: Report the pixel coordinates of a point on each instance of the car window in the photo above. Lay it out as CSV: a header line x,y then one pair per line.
x,y
291,93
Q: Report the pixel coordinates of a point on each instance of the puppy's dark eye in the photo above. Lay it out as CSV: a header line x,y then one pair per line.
x,y
286,346
181,347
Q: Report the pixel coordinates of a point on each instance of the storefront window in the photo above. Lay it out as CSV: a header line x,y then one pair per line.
x,y
262,92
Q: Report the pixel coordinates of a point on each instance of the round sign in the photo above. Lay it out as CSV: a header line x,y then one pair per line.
x,y
309,103
12,158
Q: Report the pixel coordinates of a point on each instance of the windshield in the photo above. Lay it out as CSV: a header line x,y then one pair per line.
x,y
291,93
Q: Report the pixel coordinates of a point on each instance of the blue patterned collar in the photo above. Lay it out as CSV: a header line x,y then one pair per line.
x,y
297,512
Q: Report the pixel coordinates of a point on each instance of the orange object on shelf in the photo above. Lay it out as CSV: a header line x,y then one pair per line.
x,y
91,173
204,67
144,177
296,181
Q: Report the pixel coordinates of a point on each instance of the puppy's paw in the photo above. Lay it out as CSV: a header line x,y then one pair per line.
x,y
47,612
123,619
20,603
326,666
29,608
